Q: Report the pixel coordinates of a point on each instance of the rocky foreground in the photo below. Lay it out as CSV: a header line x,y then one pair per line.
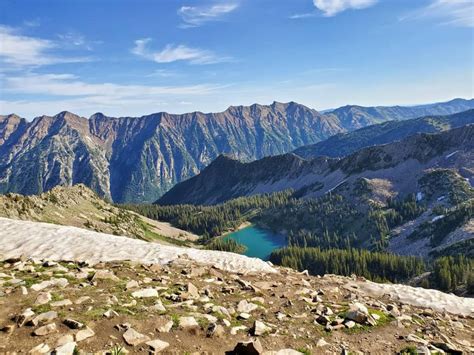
x,y
186,307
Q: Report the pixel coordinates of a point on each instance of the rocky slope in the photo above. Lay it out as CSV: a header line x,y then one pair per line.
x,y
187,307
392,169
137,159
347,143
79,206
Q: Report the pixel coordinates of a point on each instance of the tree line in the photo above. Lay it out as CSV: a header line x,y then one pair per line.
x,y
448,273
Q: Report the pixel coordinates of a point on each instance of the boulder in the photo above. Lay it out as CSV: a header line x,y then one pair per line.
x,y
43,298
84,334
253,347
46,329
66,349
131,284
246,307
43,318
188,322
259,328
157,345
134,338
145,293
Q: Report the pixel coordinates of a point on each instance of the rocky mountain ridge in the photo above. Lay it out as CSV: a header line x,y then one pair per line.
x,y
228,178
79,206
137,159
344,144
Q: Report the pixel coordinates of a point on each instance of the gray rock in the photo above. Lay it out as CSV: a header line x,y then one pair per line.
x,y
131,284
84,334
46,329
43,298
145,293
246,307
188,322
43,318
110,313
157,345
259,328
66,349
134,338
350,324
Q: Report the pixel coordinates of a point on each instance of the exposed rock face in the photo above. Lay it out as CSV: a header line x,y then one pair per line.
x,y
137,159
398,165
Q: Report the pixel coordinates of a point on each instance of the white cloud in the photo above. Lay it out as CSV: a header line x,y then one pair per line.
x,y
449,12
194,16
52,93
333,7
18,51
76,40
303,15
164,73
173,53
71,85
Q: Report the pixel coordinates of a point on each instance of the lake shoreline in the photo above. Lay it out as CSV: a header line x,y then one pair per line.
x,y
241,226
260,242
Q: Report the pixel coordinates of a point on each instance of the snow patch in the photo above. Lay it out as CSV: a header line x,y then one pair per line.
x,y
436,218
55,242
451,154
420,297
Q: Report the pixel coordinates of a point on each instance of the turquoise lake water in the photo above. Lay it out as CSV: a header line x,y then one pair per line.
x,y
259,242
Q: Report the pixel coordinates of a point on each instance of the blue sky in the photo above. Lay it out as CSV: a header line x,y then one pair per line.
x,y
124,57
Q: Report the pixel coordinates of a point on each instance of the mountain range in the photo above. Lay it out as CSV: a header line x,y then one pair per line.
x,y
138,159
400,162
411,197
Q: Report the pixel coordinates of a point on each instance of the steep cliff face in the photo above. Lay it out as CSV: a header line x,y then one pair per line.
x,y
138,159
52,151
396,167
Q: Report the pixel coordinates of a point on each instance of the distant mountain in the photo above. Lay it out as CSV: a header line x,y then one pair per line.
x,y
137,159
358,116
393,169
346,143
